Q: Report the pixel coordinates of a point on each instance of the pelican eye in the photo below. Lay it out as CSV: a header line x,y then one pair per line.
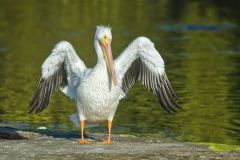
x,y
105,38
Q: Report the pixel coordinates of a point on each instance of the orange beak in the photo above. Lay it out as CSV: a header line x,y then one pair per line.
x,y
107,51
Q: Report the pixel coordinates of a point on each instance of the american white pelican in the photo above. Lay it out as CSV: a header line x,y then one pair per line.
x,y
98,90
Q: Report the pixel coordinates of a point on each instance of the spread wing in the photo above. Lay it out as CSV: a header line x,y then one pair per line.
x,y
62,69
141,61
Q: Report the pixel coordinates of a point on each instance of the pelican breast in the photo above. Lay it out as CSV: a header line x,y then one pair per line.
x,y
98,97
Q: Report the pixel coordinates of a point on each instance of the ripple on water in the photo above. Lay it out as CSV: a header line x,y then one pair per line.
x,y
3,49
198,27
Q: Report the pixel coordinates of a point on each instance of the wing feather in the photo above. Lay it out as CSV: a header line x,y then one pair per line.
x,y
59,70
141,61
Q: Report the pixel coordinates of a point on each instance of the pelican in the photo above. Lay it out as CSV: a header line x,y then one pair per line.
x,y
98,90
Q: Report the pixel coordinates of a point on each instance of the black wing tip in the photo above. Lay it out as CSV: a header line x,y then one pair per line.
x,y
170,107
35,110
45,88
167,99
174,110
35,106
31,109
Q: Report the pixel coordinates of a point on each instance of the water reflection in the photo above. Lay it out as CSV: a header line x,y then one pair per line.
x,y
203,66
197,27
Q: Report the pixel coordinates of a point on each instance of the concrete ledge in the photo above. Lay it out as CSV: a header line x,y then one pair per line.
x,y
17,144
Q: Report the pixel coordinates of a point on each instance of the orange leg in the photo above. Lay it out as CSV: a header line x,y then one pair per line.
x,y
109,132
108,141
82,140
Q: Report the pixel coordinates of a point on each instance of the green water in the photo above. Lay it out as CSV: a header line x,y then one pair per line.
x,y
199,41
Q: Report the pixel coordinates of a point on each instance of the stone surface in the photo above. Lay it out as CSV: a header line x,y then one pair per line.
x,y
19,145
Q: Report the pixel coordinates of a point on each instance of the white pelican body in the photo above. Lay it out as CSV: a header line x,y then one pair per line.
x,y
97,97
97,91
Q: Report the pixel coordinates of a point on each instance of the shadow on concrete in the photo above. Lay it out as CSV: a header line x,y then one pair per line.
x,y
10,133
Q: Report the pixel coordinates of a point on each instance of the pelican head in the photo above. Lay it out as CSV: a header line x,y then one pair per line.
x,y
102,42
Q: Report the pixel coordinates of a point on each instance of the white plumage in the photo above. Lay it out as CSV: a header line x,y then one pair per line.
x,y
97,91
141,48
